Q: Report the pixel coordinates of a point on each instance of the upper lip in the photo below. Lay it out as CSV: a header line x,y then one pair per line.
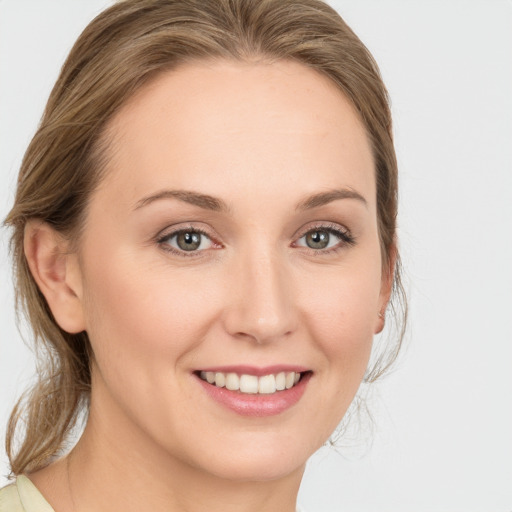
x,y
258,371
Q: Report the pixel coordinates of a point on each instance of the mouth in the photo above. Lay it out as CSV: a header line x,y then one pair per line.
x,y
254,392
252,384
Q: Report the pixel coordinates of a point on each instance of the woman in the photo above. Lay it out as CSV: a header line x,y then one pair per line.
x,y
204,238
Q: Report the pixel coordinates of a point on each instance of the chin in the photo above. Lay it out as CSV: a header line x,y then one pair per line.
x,y
259,458
257,469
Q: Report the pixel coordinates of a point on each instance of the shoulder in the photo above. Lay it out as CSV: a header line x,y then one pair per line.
x,y
10,499
22,496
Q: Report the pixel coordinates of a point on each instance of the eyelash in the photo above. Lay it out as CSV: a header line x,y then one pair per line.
x,y
343,234
345,237
163,241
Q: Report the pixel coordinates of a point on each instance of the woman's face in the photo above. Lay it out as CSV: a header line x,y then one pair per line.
x,y
234,237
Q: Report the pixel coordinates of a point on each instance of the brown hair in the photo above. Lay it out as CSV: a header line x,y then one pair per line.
x,y
120,51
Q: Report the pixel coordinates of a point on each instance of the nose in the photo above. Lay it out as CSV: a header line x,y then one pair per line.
x,y
260,305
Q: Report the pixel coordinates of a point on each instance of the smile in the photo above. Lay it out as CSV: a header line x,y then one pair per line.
x,y
255,392
252,384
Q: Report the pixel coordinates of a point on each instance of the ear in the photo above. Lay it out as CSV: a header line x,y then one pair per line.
x,y
388,276
57,274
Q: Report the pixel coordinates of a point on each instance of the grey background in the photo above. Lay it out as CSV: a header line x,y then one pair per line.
x,y
443,420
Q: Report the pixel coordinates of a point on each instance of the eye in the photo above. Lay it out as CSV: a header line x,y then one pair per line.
x,y
186,240
318,239
324,238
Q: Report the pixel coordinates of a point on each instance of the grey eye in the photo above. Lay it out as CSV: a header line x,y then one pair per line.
x,y
322,238
317,239
188,241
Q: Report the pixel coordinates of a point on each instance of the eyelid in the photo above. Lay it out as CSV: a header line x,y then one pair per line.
x,y
171,231
342,232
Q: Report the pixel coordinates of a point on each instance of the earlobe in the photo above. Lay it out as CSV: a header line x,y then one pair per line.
x,y
388,276
56,273
381,321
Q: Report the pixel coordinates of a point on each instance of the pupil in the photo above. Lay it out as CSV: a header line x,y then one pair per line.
x,y
189,241
317,239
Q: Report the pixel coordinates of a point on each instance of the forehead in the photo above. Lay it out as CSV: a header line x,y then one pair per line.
x,y
209,124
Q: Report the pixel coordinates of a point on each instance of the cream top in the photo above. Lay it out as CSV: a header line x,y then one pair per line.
x,y
23,496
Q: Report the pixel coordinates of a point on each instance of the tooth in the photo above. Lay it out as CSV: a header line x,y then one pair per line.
x,y
267,384
280,381
220,380
248,384
290,379
232,382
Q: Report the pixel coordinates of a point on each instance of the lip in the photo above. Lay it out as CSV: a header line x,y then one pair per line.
x,y
257,405
258,371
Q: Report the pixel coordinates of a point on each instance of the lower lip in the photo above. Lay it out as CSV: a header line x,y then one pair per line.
x,y
257,405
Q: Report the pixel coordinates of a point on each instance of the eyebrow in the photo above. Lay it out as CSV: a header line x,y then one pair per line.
x,y
201,200
324,198
215,204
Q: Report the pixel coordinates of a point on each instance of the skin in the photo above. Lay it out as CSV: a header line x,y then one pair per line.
x,y
261,138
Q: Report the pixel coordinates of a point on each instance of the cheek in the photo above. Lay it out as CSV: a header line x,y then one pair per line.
x,y
341,313
141,319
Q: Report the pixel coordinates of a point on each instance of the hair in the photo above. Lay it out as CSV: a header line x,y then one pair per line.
x,y
119,52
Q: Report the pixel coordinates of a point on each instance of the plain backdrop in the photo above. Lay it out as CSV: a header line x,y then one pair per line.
x,y
443,419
